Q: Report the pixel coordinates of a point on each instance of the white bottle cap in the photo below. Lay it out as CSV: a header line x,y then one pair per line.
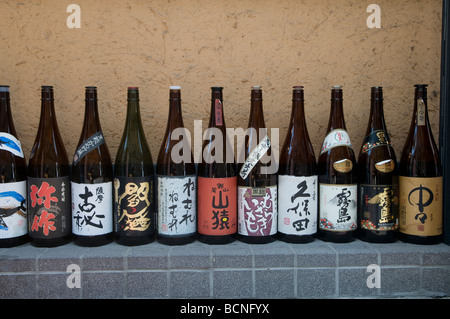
x,y
256,87
4,88
173,87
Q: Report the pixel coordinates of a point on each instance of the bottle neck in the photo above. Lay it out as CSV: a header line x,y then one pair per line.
x,y
256,119
175,116
91,123
133,121
298,109
6,123
48,118
421,106
376,118
337,111
216,118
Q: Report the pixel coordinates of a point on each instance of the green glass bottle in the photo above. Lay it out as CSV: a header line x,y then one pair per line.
x,y
134,209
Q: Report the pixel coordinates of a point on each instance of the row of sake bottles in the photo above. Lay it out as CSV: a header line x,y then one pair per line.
x,y
92,202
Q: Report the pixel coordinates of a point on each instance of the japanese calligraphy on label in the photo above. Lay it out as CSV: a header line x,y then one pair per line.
x,y
49,207
217,208
297,206
88,145
338,207
92,209
421,205
255,156
375,139
335,138
218,112
11,144
133,205
13,209
177,205
257,211
379,207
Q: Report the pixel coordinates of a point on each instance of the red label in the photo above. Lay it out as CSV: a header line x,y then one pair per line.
x,y
217,208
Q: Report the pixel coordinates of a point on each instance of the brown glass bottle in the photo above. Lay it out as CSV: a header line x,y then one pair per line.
x,y
337,178
378,178
92,181
134,206
257,181
217,180
297,179
48,181
176,180
420,179
13,179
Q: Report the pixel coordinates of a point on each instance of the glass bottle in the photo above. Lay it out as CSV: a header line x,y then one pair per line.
x,y
378,179
420,180
217,180
257,183
337,178
297,179
134,207
13,179
48,182
176,180
92,179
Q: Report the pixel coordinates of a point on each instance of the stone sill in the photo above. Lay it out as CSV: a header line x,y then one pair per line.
x,y
275,271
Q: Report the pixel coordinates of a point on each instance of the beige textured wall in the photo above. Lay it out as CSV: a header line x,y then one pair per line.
x,y
236,44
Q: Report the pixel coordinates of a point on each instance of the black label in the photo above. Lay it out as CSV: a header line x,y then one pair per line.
x,y
374,139
49,201
133,206
88,145
379,207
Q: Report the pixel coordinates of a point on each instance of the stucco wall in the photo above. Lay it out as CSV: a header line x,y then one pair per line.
x,y
236,44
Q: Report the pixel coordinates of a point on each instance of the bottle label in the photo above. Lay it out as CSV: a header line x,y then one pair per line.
x,y
218,112
335,138
88,145
375,139
13,209
133,205
338,207
92,209
177,205
343,166
217,208
11,144
49,207
421,110
385,166
259,151
421,205
257,210
297,207
379,207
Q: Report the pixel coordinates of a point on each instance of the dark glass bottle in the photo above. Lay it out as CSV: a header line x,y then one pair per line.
x,y
48,181
420,179
92,181
176,180
297,179
378,179
257,183
134,207
217,180
13,179
337,178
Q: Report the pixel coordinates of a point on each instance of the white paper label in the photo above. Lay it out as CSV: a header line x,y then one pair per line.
x,y
338,207
297,208
92,209
257,211
338,137
255,156
11,144
177,205
13,209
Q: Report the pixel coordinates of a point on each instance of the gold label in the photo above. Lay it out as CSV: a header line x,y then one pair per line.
x,y
343,166
421,205
386,166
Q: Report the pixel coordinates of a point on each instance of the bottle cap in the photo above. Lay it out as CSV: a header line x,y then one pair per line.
x,y
174,87
133,88
256,87
4,88
337,87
